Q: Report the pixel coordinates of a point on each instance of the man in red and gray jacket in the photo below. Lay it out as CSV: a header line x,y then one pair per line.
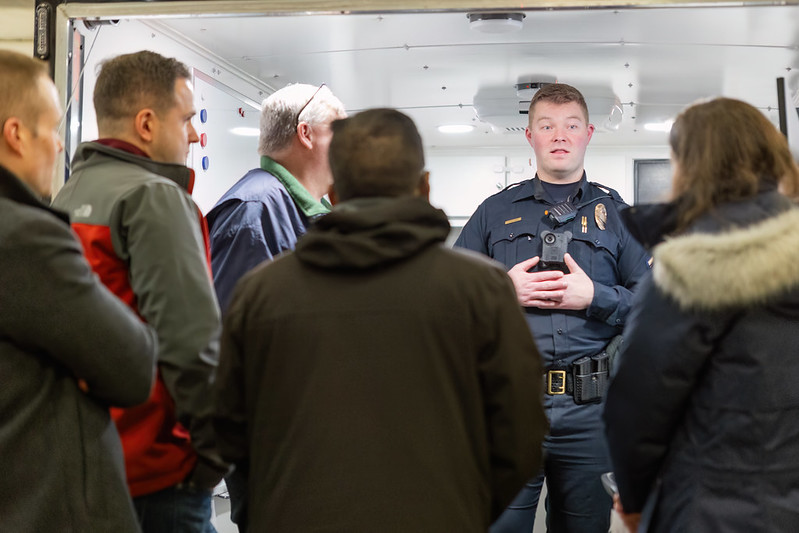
x,y
128,197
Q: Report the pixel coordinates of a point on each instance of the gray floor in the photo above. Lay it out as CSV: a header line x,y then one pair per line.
x,y
221,517
224,525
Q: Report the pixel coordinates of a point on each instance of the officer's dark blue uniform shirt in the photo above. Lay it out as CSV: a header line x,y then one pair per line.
x,y
507,226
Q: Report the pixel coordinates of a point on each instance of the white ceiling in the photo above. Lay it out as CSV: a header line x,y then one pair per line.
x,y
653,60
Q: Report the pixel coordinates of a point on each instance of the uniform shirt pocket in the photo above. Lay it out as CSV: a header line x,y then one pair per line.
x,y
512,243
597,252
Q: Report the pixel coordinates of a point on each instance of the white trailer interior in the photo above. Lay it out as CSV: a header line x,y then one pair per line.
x,y
638,64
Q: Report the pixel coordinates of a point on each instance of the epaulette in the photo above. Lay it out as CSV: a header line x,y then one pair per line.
x,y
612,192
512,185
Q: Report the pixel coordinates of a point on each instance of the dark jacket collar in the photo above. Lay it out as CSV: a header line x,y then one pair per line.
x,y
123,145
14,189
533,189
650,224
180,174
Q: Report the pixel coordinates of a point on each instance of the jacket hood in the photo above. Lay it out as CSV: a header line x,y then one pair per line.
x,y
366,233
739,267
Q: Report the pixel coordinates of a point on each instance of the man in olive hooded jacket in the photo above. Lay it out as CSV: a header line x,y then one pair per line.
x,y
374,380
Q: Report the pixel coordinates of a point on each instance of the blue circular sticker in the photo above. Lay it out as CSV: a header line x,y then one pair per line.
x,y
203,116
206,162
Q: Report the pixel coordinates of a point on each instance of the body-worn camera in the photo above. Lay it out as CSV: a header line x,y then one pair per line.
x,y
555,246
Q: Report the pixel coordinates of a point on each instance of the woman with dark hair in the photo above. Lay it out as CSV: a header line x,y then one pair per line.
x,y
702,417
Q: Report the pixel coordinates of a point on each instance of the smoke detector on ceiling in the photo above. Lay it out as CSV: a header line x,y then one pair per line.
x,y
495,22
526,90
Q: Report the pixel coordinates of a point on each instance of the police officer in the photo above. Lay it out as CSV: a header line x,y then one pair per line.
x,y
574,266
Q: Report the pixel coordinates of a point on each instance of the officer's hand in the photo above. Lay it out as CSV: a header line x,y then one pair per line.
x,y
579,287
537,289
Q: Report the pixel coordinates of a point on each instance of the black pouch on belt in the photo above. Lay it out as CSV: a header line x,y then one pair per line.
x,y
590,378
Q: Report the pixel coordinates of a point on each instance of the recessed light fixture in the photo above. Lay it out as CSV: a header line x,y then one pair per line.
x,y
659,126
456,128
246,132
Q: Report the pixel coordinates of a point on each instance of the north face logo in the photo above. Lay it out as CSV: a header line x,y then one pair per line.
x,y
83,211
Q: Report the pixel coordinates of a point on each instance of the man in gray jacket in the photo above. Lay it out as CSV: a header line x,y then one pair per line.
x,y
69,348
374,379
129,199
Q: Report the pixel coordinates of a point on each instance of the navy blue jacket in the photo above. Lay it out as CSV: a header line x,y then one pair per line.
x,y
507,226
261,216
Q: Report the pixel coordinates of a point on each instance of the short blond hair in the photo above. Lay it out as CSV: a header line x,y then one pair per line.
x,y
19,92
558,94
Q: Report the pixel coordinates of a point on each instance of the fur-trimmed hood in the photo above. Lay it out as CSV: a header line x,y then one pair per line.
x,y
740,267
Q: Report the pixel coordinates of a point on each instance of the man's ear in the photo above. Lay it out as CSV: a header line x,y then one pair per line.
x,y
13,134
423,189
304,135
144,124
590,130
529,136
331,194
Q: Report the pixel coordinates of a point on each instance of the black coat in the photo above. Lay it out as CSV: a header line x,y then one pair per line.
x,y
60,454
703,415
378,381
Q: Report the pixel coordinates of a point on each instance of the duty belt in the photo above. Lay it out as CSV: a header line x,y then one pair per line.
x,y
586,380
557,382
